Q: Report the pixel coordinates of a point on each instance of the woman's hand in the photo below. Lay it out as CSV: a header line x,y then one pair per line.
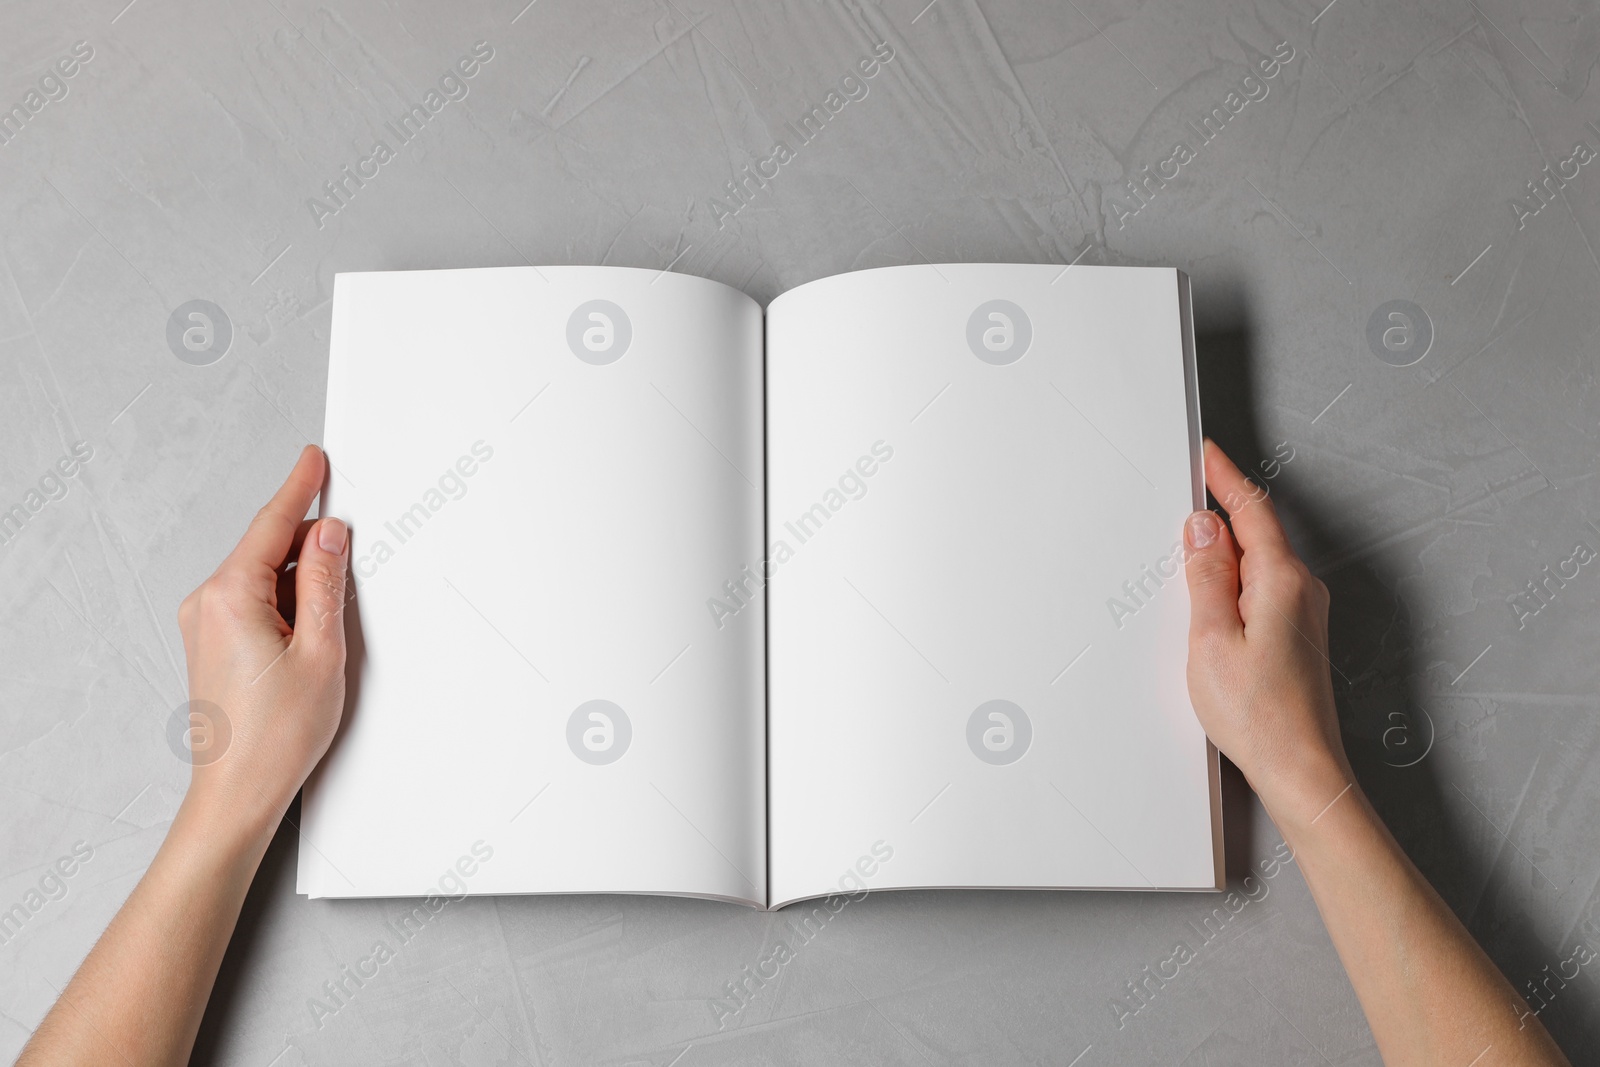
x,y
1258,650
264,638
1259,682
265,644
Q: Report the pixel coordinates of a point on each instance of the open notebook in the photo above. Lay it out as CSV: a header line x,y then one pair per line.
x,y
656,595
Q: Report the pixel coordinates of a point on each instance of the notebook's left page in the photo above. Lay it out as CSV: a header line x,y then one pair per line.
x,y
547,474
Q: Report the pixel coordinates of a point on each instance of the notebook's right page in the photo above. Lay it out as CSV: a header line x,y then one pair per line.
x,y
977,480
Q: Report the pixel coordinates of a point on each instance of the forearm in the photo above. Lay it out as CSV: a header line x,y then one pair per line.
x,y
1259,680
1430,993
139,996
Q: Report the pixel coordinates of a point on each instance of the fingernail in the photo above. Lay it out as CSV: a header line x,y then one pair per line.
x,y
1202,529
332,535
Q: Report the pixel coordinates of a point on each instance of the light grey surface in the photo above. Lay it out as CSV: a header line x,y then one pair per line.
x,y
1382,164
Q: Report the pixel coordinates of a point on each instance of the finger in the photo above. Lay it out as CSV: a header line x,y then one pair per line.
x,y
284,594
319,578
1212,570
1255,520
266,544
299,539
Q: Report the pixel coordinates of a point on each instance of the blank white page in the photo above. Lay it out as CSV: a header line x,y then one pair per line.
x,y
543,492
1043,442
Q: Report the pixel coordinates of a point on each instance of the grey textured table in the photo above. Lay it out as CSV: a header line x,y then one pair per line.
x,y
1398,334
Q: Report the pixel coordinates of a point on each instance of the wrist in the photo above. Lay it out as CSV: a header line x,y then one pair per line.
x,y
230,828
1301,795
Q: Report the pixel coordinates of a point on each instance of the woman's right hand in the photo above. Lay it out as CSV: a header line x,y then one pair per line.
x,y
1258,650
1259,681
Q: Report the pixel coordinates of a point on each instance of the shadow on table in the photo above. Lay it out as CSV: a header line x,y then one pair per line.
x,y
1380,688
275,876
243,959
1380,685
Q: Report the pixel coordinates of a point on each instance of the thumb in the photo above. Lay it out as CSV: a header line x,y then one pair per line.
x,y
319,579
1212,567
